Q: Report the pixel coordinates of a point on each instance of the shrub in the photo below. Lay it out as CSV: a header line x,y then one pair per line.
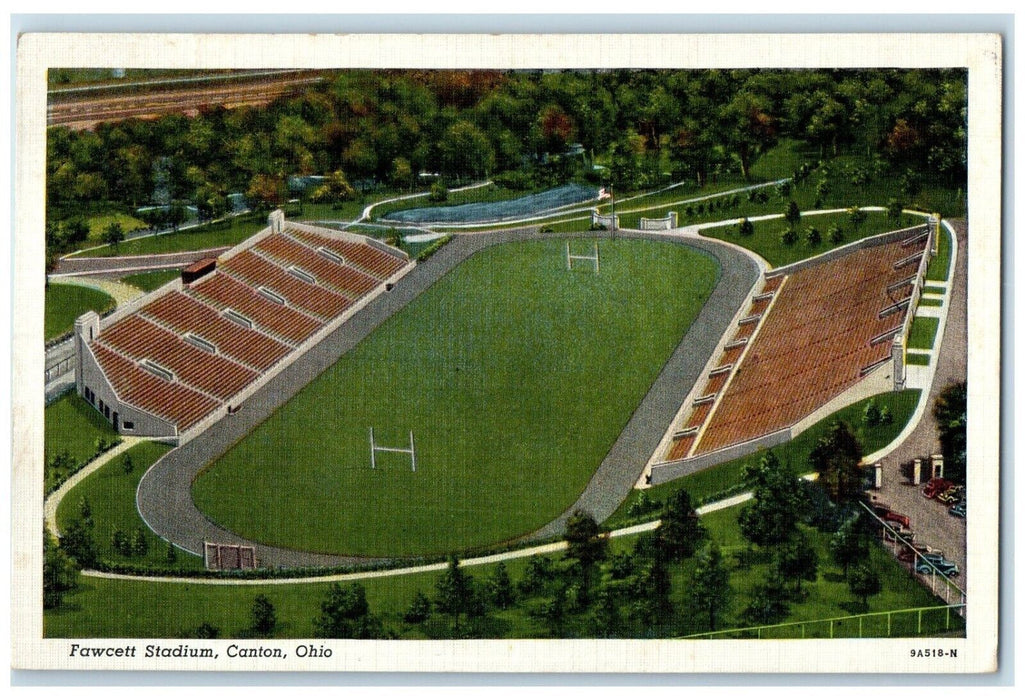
x,y
783,189
746,227
814,236
857,217
545,229
836,234
793,214
439,193
789,237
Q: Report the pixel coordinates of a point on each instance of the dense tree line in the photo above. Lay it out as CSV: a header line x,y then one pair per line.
x,y
389,126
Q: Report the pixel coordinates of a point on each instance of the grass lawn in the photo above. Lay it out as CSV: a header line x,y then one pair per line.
x,y
929,301
932,289
707,484
766,239
70,424
917,359
939,266
66,302
110,492
829,596
165,610
229,232
148,281
923,332
99,223
515,376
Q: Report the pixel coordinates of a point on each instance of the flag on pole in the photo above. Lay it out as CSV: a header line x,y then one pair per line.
x,y
604,194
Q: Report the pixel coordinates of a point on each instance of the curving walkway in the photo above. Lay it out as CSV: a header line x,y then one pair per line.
x,y
164,496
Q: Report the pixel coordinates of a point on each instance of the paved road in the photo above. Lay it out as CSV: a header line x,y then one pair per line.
x,y
126,264
930,521
164,498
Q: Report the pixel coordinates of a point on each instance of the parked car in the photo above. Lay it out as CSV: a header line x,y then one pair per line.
x,y
894,517
959,509
906,554
936,486
891,535
947,568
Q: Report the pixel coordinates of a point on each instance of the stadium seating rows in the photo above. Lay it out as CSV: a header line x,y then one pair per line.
x,y
361,255
184,354
813,345
185,314
311,298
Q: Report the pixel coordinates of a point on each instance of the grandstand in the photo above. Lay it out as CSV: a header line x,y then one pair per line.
x,y
171,364
813,331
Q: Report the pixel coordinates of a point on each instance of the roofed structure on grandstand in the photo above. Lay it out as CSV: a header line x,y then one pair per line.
x,y
181,357
812,332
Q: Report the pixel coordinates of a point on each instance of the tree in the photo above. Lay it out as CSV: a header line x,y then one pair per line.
x,y
113,234
779,500
864,582
419,609
710,593
837,459
170,554
813,236
454,592
796,561
345,614
608,621
140,545
120,543
85,511
849,545
500,591
871,415
793,214
127,464
439,193
835,234
769,603
586,544
789,237
680,531
651,603
536,574
552,612
894,210
857,217
77,541
951,413
262,618
60,573
746,227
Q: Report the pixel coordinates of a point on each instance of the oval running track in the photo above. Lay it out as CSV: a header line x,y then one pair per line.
x,y
164,496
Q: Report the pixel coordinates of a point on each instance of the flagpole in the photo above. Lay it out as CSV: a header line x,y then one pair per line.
x,y
612,191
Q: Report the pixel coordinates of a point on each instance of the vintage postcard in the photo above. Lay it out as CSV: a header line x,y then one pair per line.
x,y
553,353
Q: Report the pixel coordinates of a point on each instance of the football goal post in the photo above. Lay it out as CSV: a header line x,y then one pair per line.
x,y
593,258
375,448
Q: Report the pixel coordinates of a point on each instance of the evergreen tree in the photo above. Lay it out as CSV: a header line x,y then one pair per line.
x,y
680,531
793,214
77,541
60,572
419,609
864,583
262,618
796,561
140,545
710,592
951,413
837,459
500,590
453,592
779,500
849,545
345,614
586,544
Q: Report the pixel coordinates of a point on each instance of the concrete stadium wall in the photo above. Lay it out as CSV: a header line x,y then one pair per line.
x,y
663,472
146,424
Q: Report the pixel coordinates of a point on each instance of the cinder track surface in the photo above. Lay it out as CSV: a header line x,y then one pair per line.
x,y
164,497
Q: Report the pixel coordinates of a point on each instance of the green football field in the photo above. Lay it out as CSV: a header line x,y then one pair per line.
x,y
515,376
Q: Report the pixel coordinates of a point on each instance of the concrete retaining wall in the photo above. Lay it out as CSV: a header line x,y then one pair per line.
x,y
664,224
667,471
